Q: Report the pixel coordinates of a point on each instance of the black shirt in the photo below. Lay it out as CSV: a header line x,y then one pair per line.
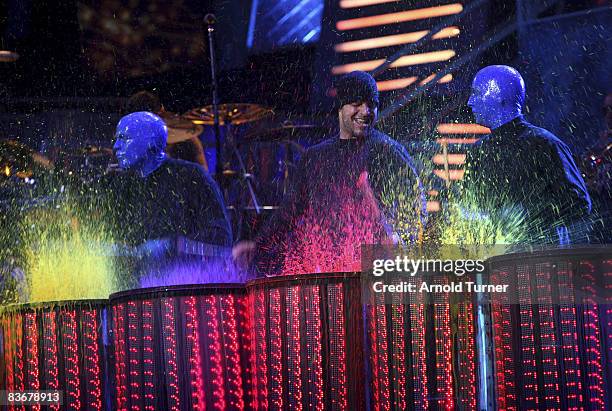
x,y
523,167
179,198
329,211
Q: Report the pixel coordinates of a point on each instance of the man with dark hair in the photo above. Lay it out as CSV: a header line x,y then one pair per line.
x,y
183,143
520,169
144,101
358,187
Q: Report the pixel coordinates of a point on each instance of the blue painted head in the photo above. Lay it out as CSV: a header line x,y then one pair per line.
x,y
498,95
140,142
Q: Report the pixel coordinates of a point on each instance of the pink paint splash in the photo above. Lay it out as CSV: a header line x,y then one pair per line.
x,y
330,240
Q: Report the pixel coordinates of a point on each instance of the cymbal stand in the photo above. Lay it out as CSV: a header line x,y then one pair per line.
x,y
210,21
232,142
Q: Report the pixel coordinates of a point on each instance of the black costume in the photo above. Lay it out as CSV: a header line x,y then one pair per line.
x,y
523,167
328,206
179,198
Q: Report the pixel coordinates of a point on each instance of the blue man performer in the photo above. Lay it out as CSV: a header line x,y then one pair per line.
x,y
160,197
520,166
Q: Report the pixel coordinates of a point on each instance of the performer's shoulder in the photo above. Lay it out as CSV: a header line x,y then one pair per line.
x,y
543,136
326,144
181,167
381,140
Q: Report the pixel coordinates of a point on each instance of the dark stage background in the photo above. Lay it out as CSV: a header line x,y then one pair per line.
x,y
80,60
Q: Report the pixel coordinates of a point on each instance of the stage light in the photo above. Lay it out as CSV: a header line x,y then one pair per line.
x,y
394,40
399,17
442,141
7,56
394,84
433,206
459,128
455,159
193,341
452,174
411,60
349,4
445,79
56,346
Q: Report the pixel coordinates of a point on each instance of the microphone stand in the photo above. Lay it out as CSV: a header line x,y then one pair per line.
x,y
210,21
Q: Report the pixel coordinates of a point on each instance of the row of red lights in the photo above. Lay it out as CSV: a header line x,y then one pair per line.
x,y
195,359
148,361
170,354
338,340
399,360
569,342
133,354
50,347
312,303
467,360
215,348
71,360
444,376
120,361
93,374
32,353
232,348
301,332
260,362
417,321
276,351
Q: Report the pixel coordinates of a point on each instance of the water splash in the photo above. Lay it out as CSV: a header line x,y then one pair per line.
x,y
331,241
66,254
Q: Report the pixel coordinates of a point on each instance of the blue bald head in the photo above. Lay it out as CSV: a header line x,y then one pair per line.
x,y
498,95
140,141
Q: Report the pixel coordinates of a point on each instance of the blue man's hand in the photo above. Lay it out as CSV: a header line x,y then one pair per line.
x,y
158,248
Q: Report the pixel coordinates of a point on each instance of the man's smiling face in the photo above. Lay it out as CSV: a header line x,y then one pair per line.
x,y
357,119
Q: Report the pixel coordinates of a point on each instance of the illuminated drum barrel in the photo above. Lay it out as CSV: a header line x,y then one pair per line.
x,y
422,352
308,342
57,346
182,348
553,347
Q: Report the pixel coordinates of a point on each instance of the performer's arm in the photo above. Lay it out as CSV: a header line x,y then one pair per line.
x,y
569,184
211,221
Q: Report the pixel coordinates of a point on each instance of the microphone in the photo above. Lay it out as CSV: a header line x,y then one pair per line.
x,y
210,19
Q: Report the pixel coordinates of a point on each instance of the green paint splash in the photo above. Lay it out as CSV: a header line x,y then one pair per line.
x,y
65,254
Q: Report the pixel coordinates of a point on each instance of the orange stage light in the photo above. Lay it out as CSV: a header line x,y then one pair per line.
x,y
455,159
458,128
456,140
411,60
394,40
349,4
399,17
454,174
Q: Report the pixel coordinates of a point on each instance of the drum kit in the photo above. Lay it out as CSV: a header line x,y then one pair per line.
x,y
261,150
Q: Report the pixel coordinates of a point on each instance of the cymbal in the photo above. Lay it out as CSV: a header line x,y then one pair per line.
x,y
20,160
180,128
92,151
232,113
233,174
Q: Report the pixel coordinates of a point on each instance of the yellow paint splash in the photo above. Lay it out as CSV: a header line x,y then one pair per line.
x,y
66,256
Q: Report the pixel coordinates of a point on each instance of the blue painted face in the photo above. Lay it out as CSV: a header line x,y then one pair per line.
x,y
140,141
497,97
